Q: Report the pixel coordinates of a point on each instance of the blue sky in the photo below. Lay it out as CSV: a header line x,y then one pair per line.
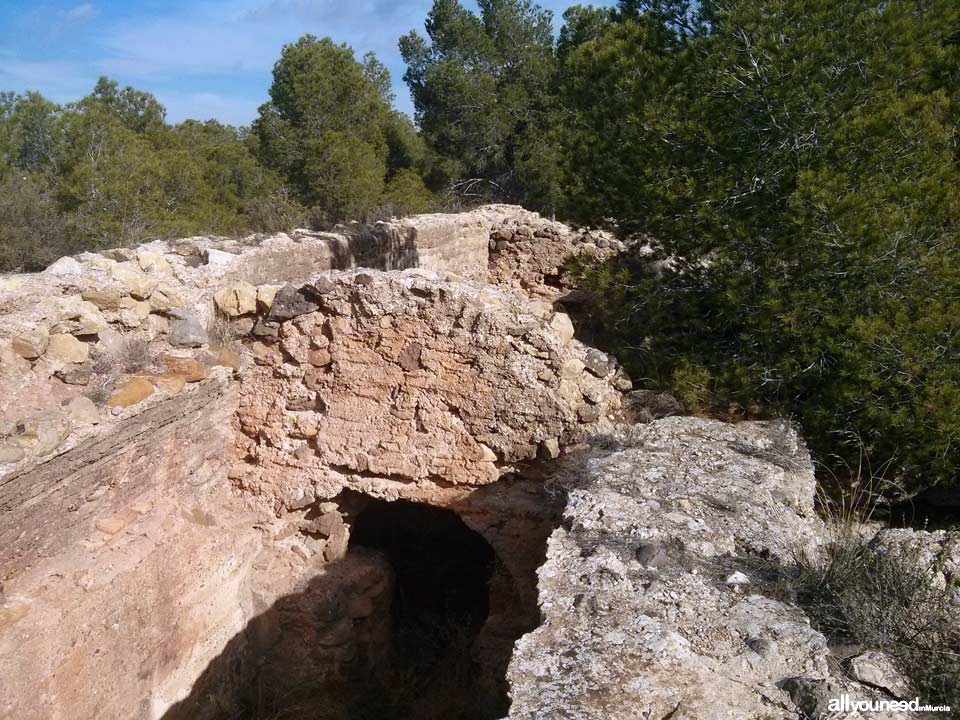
x,y
201,59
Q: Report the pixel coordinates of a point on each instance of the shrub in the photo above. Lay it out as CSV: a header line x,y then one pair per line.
x,y
406,194
889,602
32,233
802,193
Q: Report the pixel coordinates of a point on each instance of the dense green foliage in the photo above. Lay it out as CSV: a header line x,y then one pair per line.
x,y
796,163
330,131
108,170
793,166
482,88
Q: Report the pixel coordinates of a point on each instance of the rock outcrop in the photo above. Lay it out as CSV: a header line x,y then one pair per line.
x,y
657,596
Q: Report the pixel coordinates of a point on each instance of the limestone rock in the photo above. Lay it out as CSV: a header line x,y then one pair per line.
x,y
186,330
78,317
165,298
599,363
442,390
67,349
106,299
562,325
31,344
238,299
82,409
265,297
877,669
635,623
133,391
152,262
188,368
63,267
10,453
40,435
134,281
73,375
135,315
169,384
218,258
224,357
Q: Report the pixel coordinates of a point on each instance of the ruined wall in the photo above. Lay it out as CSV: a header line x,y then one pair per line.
x,y
131,561
402,385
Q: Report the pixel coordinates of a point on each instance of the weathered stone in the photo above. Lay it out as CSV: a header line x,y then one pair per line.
x,y
588,414
447,353
187,367
264,354
136,284
153,262
42,434
563,327
625,623
289,302
111,525
811,695
265,329
169,384
31,344
235,300
132,392
549,449
165,298
878,670
265,297
319,358
67,349
155,326
10,453
324,285
78,317
73,375
106,299
82,409
110,342
410,357
186,330
226,357
219,258
598,363
134,316
64,266
648,405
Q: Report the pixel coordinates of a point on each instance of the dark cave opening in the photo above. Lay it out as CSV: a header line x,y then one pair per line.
x,y
442,574
415,619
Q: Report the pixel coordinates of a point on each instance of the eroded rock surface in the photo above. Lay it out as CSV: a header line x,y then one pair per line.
x,y
654,597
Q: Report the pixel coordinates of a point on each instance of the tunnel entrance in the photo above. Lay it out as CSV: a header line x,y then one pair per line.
x,y
442,572
394,610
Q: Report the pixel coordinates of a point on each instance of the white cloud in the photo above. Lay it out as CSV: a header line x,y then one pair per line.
x,y
80,13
